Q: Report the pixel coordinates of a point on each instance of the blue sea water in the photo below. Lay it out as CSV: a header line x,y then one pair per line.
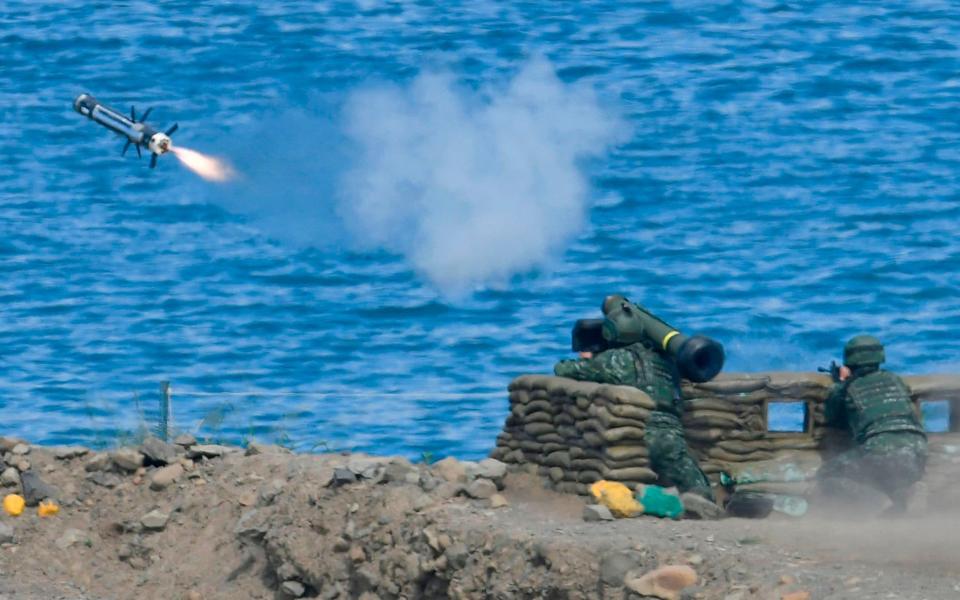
x,y
789,178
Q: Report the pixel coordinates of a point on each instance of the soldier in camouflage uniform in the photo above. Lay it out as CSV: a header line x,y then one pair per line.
x,y
645,367
875,406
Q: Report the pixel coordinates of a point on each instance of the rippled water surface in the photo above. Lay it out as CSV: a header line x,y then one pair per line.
x,y
790,179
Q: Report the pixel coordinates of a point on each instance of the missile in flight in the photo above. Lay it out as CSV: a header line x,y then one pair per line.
x,y
137,132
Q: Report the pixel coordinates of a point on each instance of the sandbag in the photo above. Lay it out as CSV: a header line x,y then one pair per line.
x,y
619,434
558,459
531,446
622,394
547,438
538,417
793,442
609,421
587,464
733,384
538,429
713,420
588,477
719,405
626,452
741,447
628,411
593,439
638,474
585,425
719,454
710,435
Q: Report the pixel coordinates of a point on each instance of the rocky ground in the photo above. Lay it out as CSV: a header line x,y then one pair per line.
x,y
188,521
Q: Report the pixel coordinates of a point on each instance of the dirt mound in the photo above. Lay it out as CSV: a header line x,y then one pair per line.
x,y
199,522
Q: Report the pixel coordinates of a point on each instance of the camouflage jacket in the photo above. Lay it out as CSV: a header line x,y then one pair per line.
x,y
635,365
871,403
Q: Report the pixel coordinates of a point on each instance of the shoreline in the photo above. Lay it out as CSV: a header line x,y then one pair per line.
x,y
224,522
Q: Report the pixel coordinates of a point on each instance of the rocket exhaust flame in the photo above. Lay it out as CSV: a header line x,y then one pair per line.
x,y
208,167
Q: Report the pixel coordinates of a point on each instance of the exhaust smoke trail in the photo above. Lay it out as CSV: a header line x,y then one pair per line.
x,y
470,186
207,167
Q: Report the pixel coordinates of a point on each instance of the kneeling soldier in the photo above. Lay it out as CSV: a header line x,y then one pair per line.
x,y
875,406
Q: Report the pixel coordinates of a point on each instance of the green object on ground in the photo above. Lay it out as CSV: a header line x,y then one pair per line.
x,y
656,501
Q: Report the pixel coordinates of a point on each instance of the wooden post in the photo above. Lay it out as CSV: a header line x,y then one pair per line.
x,y
166,410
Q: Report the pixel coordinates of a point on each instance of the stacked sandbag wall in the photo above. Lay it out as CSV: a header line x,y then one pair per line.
x,y
576,433
573,433
726,420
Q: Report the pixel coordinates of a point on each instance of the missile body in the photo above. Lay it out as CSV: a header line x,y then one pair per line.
x,y
137,133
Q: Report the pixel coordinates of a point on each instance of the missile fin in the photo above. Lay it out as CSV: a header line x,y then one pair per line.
x,y
125,147
138,151
172,129
133,114
153,161
144,116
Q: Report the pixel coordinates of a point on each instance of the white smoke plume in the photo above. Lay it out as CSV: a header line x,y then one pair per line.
x,y
471,186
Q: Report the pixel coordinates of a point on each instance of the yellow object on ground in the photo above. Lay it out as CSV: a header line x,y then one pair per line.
x,y
47,508
617,497
13,504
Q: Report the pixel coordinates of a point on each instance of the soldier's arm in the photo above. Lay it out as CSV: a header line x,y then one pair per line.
x,y
835,409
611,366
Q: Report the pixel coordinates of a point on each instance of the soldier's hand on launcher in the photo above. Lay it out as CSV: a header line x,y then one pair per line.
x,y
844,373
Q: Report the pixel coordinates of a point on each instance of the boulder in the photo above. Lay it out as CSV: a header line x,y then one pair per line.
x,y
450,469
35,489
255,448
6,533
481,489
207,451
342,477
154,520
698,507
10,477
164,477
397,471
158,452
20,449
127,459
597,512
615,566
69,452
666,583
251,525
107,480
488,468
293,588
185,440
498,501
98,462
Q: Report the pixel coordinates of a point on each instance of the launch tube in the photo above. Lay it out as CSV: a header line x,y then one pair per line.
x,y
698,357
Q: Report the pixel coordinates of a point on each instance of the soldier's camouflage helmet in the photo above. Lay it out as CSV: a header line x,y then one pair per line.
x,y
863,351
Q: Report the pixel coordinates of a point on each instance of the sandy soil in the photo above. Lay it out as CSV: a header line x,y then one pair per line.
x,y
275,525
